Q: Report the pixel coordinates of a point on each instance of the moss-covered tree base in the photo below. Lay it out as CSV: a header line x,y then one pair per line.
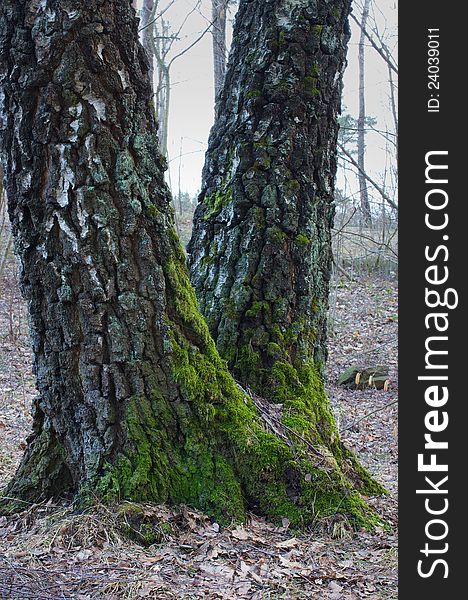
x,y
226,462
213,450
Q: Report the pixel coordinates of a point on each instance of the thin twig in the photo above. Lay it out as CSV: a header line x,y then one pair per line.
x,y
384,52
264,413
379,188
377,410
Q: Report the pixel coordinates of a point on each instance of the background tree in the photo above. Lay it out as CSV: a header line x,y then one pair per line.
x,y
374,32
133,399
361,123
147,23
5,229
219,10
158,39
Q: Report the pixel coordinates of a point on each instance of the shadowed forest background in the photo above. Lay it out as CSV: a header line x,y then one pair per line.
x,y
53,548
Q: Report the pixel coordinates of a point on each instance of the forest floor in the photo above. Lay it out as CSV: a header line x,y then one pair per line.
x,y
49,552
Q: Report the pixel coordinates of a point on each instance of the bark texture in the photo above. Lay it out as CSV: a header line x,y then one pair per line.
x,y
260,254
133,399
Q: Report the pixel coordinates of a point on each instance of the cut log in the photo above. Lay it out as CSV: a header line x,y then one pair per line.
x,y
361,378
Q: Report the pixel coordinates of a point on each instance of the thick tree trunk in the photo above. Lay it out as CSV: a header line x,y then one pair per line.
x,y
133,399
218,9
260,255
361,143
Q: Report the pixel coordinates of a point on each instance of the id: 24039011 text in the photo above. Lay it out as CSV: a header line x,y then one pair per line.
x,y
433,68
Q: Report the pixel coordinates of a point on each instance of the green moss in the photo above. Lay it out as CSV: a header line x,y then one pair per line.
x,y
293,332
293,185
206,261
283,85
184,302
142,525
275,351
45,474
315,305
212,451
302,240
310,85
253,94
262,144
215,202
277,333
258,216
230,308
248,360
152,210
357,475
276,234
318,29
256,308
193,471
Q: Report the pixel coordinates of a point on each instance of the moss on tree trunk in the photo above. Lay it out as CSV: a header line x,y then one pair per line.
x,y
134,401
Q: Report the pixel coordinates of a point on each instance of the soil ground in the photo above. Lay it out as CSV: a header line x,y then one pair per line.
x,y
49,552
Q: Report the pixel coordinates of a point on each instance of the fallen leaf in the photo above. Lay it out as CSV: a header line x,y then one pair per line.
x,y
239,533
288,543
334,587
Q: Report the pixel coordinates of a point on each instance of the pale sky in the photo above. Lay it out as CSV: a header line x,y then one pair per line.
x,y
191,110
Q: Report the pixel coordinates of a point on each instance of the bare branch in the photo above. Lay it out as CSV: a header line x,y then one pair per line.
x,y
370,414
379,188
199,38
382,50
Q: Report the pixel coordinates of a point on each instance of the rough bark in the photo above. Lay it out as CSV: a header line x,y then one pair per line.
x,y
260,255
218,9
361,124
133,401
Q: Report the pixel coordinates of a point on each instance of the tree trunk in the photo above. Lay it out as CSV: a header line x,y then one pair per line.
x,y
260,254
218,8
361,144
133,401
